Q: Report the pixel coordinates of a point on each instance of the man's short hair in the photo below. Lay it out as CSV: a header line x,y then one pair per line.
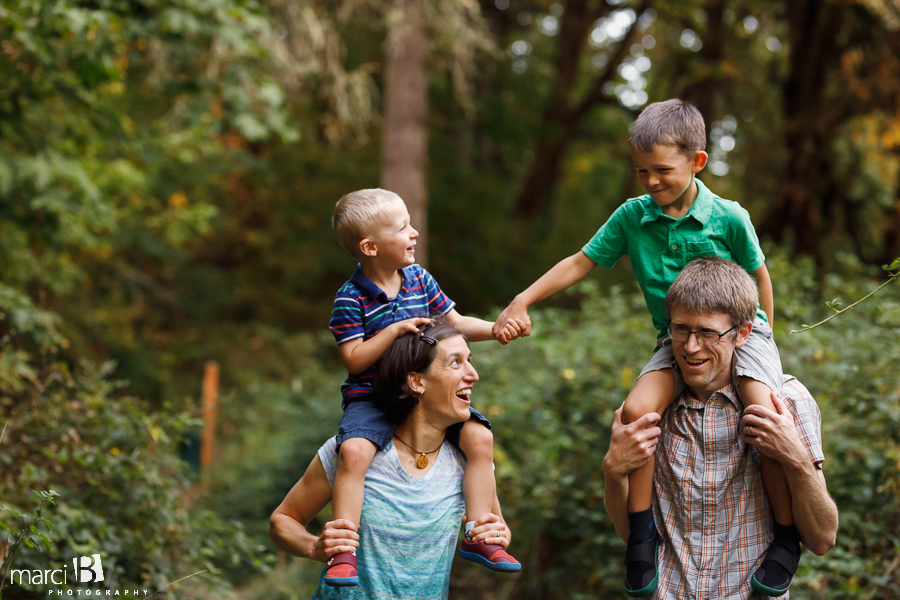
x,y
712,285
670,123
358,214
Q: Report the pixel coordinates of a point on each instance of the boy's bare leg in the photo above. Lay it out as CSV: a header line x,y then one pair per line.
x,y
477,443
479,490
652,393
354,458
774,480
772,575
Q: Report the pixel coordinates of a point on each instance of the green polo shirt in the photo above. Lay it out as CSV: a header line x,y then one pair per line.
x,y
660,246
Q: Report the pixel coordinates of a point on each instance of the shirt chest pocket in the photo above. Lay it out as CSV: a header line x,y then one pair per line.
x,y
689,250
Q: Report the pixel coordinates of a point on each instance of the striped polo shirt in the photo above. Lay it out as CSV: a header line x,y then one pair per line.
x,y
362,310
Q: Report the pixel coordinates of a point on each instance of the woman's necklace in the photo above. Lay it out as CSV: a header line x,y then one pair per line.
x,y
422,461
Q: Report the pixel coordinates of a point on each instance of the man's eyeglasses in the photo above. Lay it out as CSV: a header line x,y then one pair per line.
x,y
705,337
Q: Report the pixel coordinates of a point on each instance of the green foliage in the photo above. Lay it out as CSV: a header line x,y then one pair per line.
x,y
122,490
29,534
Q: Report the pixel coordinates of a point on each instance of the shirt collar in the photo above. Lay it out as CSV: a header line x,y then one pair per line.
x,y
700,209
371,290
689,401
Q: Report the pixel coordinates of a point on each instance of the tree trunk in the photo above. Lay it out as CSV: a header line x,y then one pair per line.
x,y
564,114
704,93
802,202
404,155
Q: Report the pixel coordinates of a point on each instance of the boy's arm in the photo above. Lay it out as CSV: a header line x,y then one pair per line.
x,y
566,273
479,330
766,296
358,355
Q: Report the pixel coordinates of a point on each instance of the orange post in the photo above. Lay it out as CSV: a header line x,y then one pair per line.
x,y
210,406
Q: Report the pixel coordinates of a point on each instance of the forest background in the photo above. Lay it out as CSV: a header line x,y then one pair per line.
x,y
167,175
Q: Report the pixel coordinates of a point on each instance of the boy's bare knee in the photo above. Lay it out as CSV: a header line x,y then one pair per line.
x,y
476,440
635,408
355,454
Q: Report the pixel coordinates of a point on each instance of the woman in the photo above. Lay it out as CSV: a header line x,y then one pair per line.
x,y
414,498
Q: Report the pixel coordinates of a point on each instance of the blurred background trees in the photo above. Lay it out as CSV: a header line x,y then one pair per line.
x,y
167,176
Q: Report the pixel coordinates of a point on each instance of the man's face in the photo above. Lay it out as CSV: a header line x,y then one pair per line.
x,y
706,368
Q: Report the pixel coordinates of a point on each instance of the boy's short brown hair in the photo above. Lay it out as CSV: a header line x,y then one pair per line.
x,y
671,123
357,214
711,285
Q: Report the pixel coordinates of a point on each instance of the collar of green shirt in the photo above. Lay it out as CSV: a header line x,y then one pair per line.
x,y
700,209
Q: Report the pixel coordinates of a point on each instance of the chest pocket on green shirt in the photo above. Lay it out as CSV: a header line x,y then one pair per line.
x,y
695,249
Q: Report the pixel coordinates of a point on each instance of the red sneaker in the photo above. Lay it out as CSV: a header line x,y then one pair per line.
x,y
492,556
340,570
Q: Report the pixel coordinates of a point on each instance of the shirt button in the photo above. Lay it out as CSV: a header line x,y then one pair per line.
x,y
674,246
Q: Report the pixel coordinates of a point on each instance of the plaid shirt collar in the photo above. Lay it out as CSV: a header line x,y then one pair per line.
x,y
688,400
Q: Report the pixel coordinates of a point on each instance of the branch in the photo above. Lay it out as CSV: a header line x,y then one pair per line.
x,y
894,265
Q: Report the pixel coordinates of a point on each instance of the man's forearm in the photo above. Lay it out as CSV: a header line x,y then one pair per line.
x,y
615,498
815,513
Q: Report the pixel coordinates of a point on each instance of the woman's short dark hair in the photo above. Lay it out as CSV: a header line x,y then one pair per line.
x,y
409,353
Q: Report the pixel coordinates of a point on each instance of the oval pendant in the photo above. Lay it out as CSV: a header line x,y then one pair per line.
x,y
422,462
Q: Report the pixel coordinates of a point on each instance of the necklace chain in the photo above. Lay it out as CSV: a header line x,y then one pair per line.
x,y
417,451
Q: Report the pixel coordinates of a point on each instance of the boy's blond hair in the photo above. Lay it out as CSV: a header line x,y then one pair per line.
x,y
358,214
710,285
671,123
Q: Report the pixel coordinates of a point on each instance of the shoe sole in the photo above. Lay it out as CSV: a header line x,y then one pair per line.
x,y
342,582
650,587
764,589
500,567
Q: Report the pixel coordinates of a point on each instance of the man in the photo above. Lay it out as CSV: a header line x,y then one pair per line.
x,y
709,505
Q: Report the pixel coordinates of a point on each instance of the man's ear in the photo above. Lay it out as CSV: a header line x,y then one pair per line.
x,y
368,247
699,161
415,383
743,332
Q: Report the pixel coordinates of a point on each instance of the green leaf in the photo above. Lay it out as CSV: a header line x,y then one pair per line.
x,y
34,529
9,529
28,542
48,524
46,541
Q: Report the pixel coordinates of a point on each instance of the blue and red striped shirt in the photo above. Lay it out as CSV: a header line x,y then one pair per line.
x,y
362,310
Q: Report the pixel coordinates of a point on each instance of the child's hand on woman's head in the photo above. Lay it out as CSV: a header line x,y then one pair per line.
x,y
410,325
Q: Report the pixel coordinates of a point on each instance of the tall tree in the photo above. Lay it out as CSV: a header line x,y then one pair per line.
x,y
404,156
565,111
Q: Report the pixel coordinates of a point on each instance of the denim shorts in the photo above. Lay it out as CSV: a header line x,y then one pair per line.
x,y
757,359
365,419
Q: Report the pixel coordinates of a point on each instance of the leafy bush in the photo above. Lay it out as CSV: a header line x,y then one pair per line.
x,y
122,490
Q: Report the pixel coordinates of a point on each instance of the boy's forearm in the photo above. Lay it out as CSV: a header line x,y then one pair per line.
x,y
476,330
766,294
562,276
366,354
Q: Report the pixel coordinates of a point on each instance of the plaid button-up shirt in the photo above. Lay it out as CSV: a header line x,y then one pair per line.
x,y
709,505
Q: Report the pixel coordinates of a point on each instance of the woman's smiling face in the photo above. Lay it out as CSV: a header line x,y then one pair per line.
x,y
446,386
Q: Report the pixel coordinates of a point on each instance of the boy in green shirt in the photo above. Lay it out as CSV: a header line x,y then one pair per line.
x,y
679,220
